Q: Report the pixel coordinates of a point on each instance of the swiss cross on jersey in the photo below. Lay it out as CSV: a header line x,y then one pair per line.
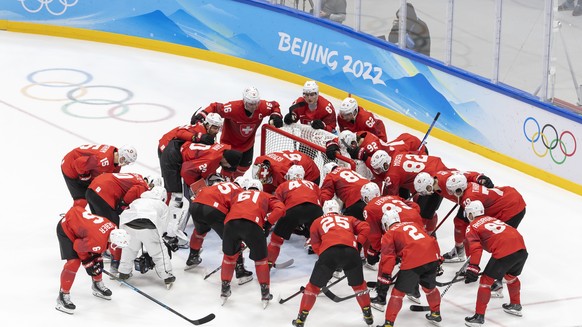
x,y
247,129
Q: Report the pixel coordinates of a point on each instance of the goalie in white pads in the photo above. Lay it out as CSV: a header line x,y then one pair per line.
x,y
146,221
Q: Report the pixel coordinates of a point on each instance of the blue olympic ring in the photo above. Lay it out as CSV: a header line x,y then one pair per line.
x,y
31,77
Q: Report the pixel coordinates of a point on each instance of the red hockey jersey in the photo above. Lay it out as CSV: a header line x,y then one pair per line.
x,y
324,112
90,159
335,229
254,206
492,235
345,183
365,121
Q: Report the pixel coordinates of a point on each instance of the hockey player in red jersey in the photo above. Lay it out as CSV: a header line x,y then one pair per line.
x,y
312,109
83,237
244,222
336,239
208,210
86,162
355,118
363,144
201,132
376,206
242,119
502,202
419,261
508,257
301,199
271,168
346,184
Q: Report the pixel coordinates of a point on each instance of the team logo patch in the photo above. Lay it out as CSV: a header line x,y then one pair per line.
x,y
247,129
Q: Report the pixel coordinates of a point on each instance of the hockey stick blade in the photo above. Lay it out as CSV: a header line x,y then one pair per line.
x,y
283,264
337,299
419,308
200,321
301,290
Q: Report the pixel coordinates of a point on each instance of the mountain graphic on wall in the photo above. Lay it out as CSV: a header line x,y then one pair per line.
x,y
236,44
154,25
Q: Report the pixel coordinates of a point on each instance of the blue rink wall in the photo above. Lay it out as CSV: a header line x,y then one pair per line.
x,y
499,122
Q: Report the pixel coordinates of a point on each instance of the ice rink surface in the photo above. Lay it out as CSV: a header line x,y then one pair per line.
x,y
57,94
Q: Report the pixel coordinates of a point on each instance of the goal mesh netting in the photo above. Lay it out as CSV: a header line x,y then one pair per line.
x,y
310,141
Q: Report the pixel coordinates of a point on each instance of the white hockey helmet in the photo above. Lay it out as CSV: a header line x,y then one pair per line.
x,y
127,155
329,167
255,184
347,139
390,217
214,119
310,87
474,210
331,206
154,180
251,96
295,172
369,191
348,107
214,178
241,181
423,183
119,238
456,184
157,192
380,161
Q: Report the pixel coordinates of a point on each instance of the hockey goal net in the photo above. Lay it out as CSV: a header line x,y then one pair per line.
x,y
305,139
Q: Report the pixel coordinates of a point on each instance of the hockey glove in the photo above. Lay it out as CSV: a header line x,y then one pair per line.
x,y
290,118
267,228
372,256
331,151
276,120
206,139
317,124
485,181
85,177
353,151
94,265
170,242
199,117
472,273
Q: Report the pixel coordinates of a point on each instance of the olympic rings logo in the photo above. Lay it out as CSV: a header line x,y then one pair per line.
x,y
90,101
46,4
565,141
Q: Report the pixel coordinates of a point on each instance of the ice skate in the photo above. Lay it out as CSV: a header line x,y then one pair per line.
x,y
266,296
225,291
373,267
379,302
114,266
169,281
434,317
100,290
476,320
457,254
244,276
193,259
497,290
368,316
123,276
512,309
64,303
300,321
387,323
414,296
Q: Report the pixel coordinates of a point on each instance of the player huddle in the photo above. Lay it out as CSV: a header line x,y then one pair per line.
x,y
386,221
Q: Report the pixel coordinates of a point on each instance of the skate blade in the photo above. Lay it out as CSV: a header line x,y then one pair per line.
x,y
223,299
496,295
169,286
378,307
513,313
65,310
413,299
99,295
265,303
190,267
244,280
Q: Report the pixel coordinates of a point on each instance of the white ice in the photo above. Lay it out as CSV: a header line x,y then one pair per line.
x,y
36,133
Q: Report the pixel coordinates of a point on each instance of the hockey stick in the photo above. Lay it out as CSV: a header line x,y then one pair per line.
x,y
338,299
281,265
415,307
447,216
302,289
200,321
423,142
